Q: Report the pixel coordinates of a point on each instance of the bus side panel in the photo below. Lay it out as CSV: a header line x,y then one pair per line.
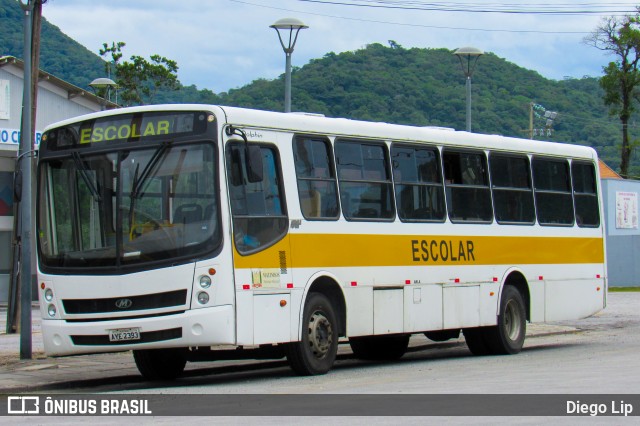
x,y
462,306
244,317
489,304
422,308
388,305
272,318
573,299
537,302
359,311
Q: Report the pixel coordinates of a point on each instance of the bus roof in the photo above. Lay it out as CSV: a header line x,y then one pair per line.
x,y
303,123
343,127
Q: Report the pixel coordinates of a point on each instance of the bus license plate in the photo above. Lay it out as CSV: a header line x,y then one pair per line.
x,y
124,334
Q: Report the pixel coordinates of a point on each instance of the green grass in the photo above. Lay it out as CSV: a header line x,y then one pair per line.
x,y
622,289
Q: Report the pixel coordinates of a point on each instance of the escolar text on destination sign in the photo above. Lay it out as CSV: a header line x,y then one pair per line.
x,y
123,131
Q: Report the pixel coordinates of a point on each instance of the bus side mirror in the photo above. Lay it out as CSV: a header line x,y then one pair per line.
x,y
253,163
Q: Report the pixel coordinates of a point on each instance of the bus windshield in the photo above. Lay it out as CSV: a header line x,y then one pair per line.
x,y
128,207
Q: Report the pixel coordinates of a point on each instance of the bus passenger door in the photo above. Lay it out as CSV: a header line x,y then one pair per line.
x,y
260,225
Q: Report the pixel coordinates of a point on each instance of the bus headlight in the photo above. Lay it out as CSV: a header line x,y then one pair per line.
x,y
51,310
203,298
205,281
48,295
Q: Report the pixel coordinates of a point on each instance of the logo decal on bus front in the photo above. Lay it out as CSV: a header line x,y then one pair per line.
x,y
124,303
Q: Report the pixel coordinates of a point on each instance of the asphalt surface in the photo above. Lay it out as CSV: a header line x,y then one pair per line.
x,y
117,371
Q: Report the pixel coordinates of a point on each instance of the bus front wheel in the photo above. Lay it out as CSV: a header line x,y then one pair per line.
x,y
316,352
508,336
160,364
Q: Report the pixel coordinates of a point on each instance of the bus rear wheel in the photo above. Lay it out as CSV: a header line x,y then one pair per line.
x,y
507,337
160,364
475,338
380,347
316,352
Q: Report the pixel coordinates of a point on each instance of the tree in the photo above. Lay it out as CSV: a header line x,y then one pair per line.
x,y
139,80
620,36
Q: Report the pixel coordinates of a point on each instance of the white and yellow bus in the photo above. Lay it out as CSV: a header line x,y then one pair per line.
x,y
193,232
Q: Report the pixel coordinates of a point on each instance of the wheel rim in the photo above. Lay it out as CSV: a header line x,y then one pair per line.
x,y
320,334
512,320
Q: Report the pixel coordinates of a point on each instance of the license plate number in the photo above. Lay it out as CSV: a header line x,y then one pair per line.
x,y
124,334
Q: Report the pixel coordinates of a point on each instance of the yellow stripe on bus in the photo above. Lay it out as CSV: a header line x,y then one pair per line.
x,y
340,250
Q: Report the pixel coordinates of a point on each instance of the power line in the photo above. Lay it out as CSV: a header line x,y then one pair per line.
x,y
540,9
439,27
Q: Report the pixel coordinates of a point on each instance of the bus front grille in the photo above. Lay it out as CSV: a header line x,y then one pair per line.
x,y
125,304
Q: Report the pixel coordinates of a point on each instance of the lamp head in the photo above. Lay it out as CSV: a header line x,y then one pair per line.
x,y
468,51
102,83
288,24
471,54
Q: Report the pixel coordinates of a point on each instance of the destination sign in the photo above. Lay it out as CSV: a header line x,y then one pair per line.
x,y
113,132
128,128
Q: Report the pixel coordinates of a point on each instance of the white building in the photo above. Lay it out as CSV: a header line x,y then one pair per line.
x,y
56,100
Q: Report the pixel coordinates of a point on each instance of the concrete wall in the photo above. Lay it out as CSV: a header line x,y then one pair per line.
x,y
623,244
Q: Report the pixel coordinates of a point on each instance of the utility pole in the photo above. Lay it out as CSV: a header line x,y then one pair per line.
x,y
541,112
20,294
531,120
35,56
24,165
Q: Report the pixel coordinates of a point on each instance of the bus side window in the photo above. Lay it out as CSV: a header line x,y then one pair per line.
x,y
365,180
552,183
257,208
511,188
317,186
418,183
467,186
585,194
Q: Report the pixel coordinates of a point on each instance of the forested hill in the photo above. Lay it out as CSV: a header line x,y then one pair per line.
x,y
380,83
60,55
427,87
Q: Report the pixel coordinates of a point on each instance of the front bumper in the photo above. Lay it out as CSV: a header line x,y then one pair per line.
x,y
200,327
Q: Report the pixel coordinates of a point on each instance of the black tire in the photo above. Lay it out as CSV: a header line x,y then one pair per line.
x,y
507,338
442,335
160,364
316,352
380,347
475,338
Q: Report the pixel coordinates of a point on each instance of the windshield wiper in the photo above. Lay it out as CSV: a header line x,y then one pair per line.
x,y
85,176
139,182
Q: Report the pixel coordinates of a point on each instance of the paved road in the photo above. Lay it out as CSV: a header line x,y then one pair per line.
x,y
593,355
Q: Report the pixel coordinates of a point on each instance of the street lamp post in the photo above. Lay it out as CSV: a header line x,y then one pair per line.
x,y
293,26
106,84
468,58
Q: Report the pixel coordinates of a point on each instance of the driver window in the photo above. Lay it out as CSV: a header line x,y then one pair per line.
x,y
258,208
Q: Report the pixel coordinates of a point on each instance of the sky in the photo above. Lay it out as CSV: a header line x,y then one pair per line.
x,y
225,44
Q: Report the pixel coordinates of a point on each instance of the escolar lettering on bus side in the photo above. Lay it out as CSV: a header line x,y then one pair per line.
x,y
442,250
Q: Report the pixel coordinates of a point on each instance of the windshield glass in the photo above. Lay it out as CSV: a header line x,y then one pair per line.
x,y
128,207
